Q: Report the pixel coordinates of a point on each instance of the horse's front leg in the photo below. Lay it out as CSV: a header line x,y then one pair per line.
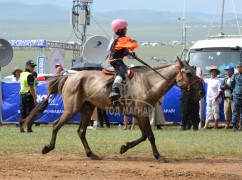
x,y
146,131
129,145
56,127
146,128
86,112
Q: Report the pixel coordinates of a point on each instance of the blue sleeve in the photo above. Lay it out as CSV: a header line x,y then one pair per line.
x,y
222,85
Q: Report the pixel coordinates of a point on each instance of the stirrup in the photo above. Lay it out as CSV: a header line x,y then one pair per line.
x,y
114,99
114,96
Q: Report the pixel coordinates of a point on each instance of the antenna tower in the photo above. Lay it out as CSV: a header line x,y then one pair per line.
x,y
80,19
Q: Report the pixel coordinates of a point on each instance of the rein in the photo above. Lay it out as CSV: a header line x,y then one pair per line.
x,y
179,70
138,59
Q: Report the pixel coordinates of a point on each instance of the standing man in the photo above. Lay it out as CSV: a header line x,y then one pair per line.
x,y
236,85
157,116
189,109
16,74
213,96
227,93
101,115
27,93
58,69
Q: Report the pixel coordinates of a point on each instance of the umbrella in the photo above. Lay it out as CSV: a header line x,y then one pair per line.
x,y
86,66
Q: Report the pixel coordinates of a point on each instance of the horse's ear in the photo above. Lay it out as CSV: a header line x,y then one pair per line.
x,y
179,61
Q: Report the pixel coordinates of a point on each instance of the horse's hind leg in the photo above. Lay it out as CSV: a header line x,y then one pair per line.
x,y
86,112
146,131
56,127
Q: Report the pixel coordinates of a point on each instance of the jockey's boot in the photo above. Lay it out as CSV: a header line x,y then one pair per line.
x,y
115,94
116,89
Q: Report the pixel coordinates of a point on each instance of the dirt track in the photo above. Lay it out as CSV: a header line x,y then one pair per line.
x,y
50,166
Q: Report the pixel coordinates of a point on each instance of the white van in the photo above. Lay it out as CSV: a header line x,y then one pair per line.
x,y
219,51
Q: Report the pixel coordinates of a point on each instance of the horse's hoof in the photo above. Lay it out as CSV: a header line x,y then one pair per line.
x,y
95,157
123,149
161,160
46,149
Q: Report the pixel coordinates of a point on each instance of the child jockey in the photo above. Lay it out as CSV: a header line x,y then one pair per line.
x,y
119,47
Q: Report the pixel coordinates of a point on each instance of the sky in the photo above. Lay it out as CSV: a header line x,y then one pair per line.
x,y
167,5
207,6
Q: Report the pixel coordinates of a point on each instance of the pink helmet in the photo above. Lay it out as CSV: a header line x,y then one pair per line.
x,y
118,24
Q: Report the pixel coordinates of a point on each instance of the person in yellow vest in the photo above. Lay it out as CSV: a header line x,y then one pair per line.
x,y
27,93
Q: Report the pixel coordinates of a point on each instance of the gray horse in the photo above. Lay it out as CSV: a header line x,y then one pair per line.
x,y
84,91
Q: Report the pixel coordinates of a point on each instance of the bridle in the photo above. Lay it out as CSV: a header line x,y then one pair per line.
x,y
184,79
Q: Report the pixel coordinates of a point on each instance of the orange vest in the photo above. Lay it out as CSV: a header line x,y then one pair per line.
x,y
121,43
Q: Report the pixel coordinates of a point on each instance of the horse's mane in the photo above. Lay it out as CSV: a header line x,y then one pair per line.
x,y
145,68
164,66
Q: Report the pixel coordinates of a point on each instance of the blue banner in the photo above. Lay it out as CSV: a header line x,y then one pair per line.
x,y
171,105
11,105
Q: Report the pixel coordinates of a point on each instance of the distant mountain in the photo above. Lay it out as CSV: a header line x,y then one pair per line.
x,y
52,22
154,17
22,11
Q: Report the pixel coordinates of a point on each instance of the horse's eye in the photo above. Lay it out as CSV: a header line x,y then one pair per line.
x,y
188,72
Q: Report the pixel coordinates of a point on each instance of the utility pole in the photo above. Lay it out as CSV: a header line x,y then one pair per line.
x,y
183,19
80,19
222,20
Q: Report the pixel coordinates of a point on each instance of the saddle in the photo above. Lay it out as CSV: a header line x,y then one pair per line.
x,y
111,71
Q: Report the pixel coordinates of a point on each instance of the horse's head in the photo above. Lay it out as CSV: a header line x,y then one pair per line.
x,y
187,79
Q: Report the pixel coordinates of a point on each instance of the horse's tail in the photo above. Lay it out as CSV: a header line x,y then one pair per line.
x,y
38,110
55,86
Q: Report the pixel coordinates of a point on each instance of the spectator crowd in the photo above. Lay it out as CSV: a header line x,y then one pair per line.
x,y
229,90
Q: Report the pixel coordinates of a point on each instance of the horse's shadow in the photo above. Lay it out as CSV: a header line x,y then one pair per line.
x,y
152,160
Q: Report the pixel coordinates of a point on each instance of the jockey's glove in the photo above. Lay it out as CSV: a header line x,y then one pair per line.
x,y
132,54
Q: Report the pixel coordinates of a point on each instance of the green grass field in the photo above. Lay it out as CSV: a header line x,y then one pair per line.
x,y
171,143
